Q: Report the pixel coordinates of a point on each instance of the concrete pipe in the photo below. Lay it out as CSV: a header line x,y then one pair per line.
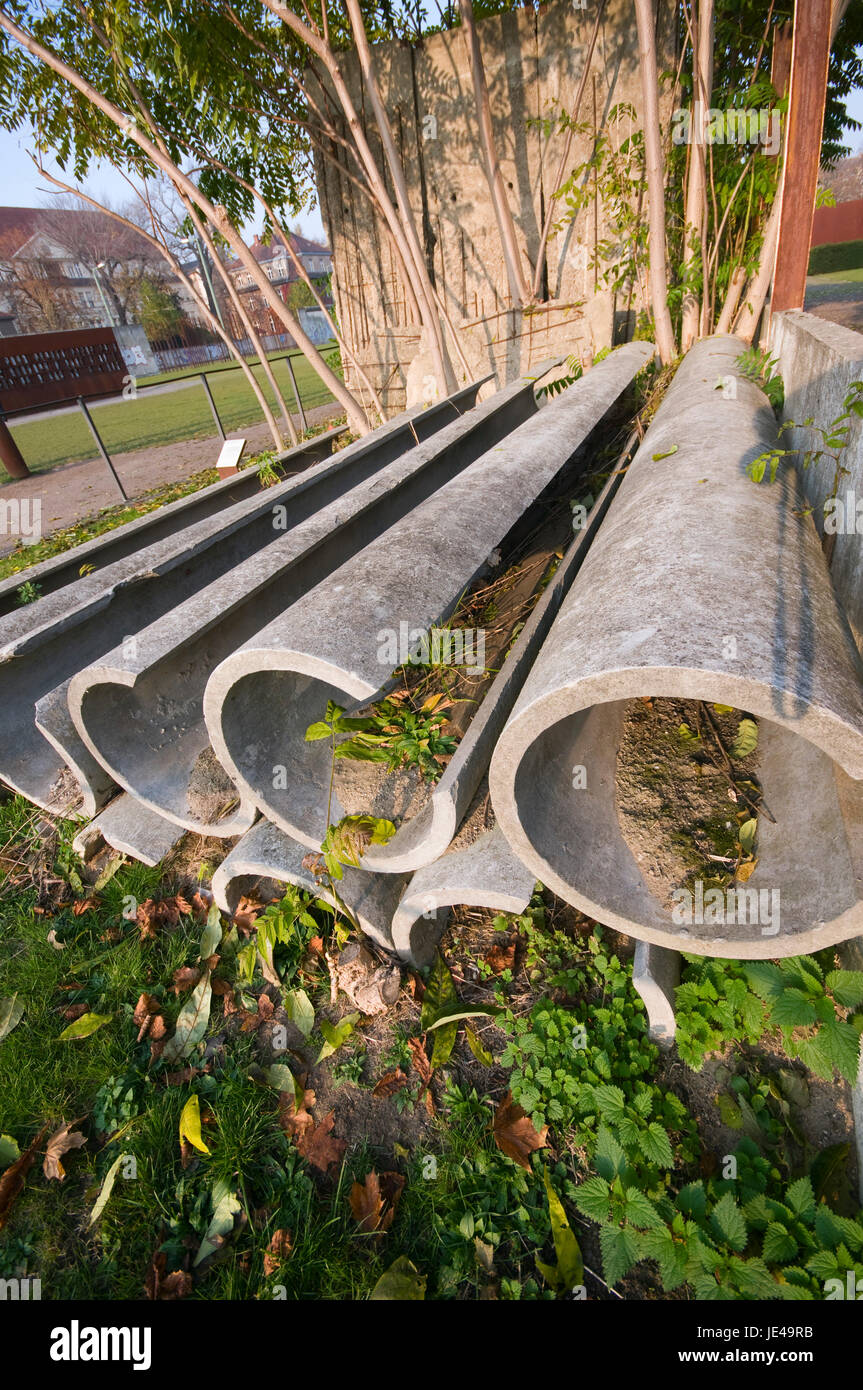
x,y
129,828
426,836
60,570
138,710
44,643
483,874
265,858
701,586
335,643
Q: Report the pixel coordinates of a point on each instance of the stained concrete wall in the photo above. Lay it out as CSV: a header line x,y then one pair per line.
x,y
818,361
534,62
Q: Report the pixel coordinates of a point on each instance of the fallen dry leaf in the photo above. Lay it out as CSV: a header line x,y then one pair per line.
x,y
166,1287
75,1011
247,913
390,1083
184,978
12,1181
423,1067
60,1143
84,905
179,1078
515,1134
146,1011
374,1201
277,1251
319,1147
500,958
296,1122
153,914
158,1036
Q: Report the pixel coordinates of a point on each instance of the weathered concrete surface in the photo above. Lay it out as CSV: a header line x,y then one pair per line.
x,y
656,975
427,836
129,828
331,644
139,709
534,61
701,585
265,857
44,643
818,361
104,550
484,874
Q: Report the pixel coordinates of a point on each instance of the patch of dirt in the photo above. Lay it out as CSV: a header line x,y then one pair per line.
x,y
369,787
211,792
678,810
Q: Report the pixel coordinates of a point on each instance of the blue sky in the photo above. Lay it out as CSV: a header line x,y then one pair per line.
x,y
23,187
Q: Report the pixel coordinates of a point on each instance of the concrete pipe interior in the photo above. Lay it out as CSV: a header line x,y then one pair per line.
x,y
571,836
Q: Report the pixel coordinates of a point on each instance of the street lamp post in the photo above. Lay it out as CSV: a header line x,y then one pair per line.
x,y
102,295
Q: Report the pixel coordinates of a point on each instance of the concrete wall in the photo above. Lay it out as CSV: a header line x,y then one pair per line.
x,y
818,362
534,61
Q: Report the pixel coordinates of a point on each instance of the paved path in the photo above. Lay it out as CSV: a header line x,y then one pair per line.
x,y
79,490
841,301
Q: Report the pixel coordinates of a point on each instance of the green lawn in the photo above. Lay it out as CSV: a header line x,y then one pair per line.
x,y
152,418
836,276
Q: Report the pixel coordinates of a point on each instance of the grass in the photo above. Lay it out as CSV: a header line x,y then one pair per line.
x,y
153,418
835,257
838,276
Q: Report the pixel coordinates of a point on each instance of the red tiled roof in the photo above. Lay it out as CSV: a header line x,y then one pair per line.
x,y
18,225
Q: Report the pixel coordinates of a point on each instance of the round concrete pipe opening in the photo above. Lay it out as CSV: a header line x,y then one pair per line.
x,y
258,721
159,752
553,785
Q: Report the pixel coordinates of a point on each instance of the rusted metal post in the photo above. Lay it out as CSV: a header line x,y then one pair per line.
x,y
10,455
810,57
290,366
101,447
206,385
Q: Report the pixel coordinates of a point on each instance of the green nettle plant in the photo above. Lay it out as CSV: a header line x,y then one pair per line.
x,y
757,365
393,735
721,1001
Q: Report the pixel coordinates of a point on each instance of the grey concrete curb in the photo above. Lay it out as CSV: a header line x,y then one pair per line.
x,y
129,828
266,853
484,874
327,646
701,585
139,709
655,976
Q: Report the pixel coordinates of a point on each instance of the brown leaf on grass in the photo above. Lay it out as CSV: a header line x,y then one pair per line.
x,y
60,1143
319,1147
158,1036
154,915
515,1133
75,1011
146,1012
390,1083
500,958
277,1251
247,912
316,946
165,1287
423,1068
374,1202
12,1181
180,1078
200,907
112,934
83,905
296,1122
184,978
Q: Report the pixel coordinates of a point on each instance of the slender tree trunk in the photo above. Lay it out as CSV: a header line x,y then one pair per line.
x,y
203,306
518,286
696,190
218,216
564,155
655,182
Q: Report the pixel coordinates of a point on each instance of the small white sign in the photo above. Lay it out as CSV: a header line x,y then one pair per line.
x,y
232,452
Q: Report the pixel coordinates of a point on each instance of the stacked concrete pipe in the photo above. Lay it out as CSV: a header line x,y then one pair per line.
x,y
701,585
327,646
43,644
138,709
